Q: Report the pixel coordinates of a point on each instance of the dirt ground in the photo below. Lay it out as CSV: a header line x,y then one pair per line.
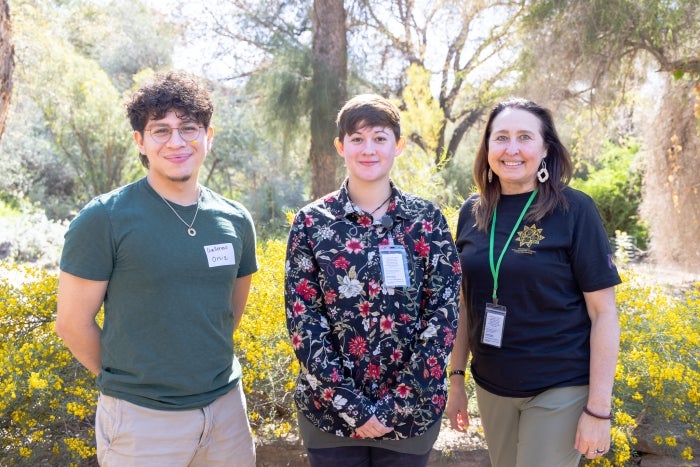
x,y
451,448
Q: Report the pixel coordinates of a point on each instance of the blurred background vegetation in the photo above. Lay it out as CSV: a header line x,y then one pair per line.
x,y
620,76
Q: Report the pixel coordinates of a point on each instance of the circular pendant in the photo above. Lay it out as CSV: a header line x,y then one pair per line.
x,y
191,232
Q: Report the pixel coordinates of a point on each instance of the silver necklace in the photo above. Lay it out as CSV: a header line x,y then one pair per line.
x,y
190,230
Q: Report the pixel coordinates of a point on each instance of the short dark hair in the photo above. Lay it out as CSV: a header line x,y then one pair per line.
x,y
173,90
368,110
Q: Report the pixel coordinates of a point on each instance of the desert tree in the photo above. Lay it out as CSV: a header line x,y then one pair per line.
x,y
7,62
595,54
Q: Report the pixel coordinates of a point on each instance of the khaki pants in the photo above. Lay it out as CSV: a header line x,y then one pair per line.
x,y
216,435
535,431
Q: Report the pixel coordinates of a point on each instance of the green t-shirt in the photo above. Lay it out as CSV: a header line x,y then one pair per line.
x,y
167,338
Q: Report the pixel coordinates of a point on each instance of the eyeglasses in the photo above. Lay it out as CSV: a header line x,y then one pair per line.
x,y
162,134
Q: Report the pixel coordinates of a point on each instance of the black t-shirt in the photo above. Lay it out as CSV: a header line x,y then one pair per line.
x,y
542,277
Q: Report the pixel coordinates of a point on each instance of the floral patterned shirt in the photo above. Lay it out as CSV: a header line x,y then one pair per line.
x,y
365,348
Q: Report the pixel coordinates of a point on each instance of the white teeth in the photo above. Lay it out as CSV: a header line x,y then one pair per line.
x,y
512,163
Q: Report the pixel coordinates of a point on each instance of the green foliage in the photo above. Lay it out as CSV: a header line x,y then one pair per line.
x,y
285,91
122,37
614,182
422,117
84,116
656,22
30,162
415,171
69,137
8,210
252,164
88,125
594,58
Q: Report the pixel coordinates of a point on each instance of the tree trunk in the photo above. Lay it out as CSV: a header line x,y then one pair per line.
x,y
7,62
672,181
328,93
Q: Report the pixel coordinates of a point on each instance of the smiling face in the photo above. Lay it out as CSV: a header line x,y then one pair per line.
x,y
175,160
515,149
369,153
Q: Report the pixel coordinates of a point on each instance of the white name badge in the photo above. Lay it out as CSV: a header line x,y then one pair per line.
x,y
394,265
220,255
494,323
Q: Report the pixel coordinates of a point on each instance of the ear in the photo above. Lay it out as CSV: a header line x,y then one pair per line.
x,y
339,147
400,145
138,138
210,136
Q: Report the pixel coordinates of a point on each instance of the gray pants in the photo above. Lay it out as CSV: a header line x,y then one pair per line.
x,y
535,431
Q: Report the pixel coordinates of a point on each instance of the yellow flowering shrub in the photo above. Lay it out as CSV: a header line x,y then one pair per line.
x,y
46,397
657,375
262,345
47,400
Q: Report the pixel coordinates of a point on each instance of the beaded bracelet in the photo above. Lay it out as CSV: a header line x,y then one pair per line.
x,y
594,415
456,372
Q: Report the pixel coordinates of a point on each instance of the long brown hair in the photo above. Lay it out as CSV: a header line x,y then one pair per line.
x,y
551,192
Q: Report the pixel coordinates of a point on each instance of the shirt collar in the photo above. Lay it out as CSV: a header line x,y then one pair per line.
x,y
397,205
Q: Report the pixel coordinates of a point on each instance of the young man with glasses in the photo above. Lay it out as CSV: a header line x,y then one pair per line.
x,y
172,263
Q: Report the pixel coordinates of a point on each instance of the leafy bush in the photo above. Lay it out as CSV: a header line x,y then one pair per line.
x,y
657,375
262,344
47,400
30,237
615,183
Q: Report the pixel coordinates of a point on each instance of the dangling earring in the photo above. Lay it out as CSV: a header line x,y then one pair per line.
x,y
489,175
543,173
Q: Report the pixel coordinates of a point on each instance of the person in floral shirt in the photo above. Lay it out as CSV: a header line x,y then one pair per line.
x,y
371,291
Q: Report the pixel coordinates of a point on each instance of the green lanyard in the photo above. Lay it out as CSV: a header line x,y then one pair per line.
x,y
494,270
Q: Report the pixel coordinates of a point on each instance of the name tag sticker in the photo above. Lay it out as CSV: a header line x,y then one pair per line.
x,y
494,323
220,255
394,265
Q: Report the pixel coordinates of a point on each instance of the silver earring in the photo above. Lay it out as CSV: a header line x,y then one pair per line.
x,y
489,175
543,173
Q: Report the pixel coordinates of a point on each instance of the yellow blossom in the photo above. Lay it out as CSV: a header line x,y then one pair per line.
x,y
36,382
687,454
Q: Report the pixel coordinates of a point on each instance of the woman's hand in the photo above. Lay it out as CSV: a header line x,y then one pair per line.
x,y
456,408
373,428
592,436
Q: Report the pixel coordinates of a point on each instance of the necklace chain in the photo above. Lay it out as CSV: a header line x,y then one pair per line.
x,y
380,206
190,230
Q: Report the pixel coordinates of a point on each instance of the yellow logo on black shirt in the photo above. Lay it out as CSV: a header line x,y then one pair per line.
x,y
530,236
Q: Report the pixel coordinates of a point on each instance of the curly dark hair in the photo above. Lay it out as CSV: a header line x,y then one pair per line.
x,y
173,90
